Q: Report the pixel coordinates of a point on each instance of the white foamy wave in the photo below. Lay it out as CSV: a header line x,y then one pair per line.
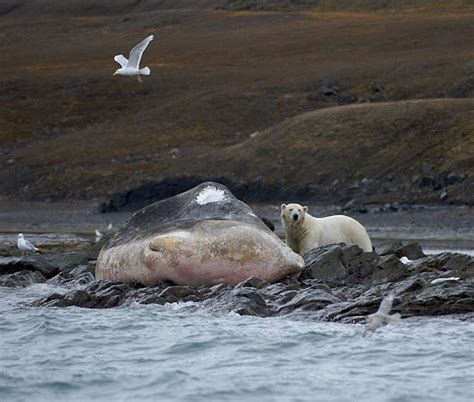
x,y
181,305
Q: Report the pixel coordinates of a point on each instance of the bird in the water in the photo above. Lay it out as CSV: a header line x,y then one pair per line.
x,y
382,316
25,245
131,67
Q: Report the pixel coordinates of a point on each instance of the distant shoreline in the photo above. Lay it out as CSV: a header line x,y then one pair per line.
x,y
433,226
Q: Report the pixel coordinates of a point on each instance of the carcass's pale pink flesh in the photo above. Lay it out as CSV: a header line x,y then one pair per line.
x,y
211,252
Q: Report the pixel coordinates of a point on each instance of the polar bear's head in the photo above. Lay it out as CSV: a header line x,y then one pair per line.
x,y
293,213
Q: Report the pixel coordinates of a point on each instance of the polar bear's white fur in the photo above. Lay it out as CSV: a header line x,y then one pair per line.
x,y
305,232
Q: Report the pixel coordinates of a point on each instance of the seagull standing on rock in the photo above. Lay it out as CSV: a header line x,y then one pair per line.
x,y
26,245
382,316
131,67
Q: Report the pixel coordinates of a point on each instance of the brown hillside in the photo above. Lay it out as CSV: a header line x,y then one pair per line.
x,y
375,150
69,130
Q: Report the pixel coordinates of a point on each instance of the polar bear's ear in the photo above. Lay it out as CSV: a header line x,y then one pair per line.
x,y
305,208
283,206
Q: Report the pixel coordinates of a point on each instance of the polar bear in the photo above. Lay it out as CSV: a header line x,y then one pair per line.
x,y
305,232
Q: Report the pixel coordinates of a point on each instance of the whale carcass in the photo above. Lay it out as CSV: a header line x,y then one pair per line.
x,y
202,236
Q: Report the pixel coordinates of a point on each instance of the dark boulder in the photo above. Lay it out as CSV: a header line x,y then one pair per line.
x,y
313,298
446,264
66,262
21,278
79,276
412,251
253,283
339,264
244,301
173,294
456,297
10,265
340,283
389,269
268,222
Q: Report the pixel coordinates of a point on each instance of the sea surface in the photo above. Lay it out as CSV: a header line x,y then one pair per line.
x,y
182,352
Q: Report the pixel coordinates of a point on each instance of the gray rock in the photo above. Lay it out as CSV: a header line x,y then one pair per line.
x,y
268,223
412,251
82,269
330,91
453,178
78,298
389,247
309,299
339,264
388,269
67,261
241,300
427,181
175,293
341,283
21,278
443,195
446,298
324,263
10,265
411,285
446,264
152,299
80,279
254,283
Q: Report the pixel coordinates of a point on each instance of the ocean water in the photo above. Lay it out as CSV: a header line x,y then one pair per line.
x,y
181,352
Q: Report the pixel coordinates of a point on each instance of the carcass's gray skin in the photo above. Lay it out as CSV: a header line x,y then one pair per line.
x,y
202,236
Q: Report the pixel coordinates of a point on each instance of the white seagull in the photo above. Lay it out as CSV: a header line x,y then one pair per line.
x,y
98,235
26,245
131,67
405,260
382,315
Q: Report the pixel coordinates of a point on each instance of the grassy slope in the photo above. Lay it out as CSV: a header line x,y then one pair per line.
x,y
70,130
388,144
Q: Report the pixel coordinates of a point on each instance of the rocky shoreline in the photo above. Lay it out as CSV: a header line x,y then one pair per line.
x,y
354,198
339,283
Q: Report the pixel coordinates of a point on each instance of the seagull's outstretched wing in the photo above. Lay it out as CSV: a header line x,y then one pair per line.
x,y
393,319
375,321
136,53
386,304
382,316
121,59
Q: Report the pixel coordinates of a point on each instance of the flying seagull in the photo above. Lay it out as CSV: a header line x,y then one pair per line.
x,y
26,245
382,316
131,67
